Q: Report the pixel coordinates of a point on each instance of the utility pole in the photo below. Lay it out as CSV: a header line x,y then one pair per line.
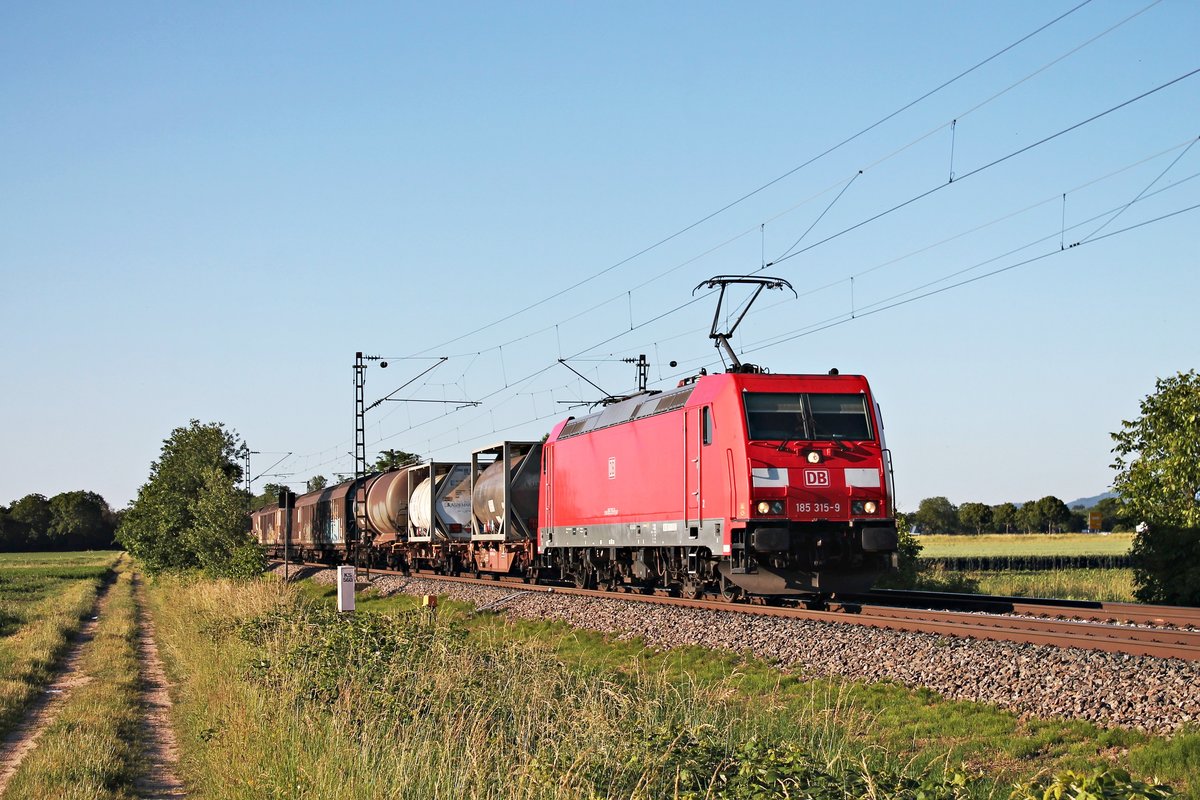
x,y
246,453
643,371
360,446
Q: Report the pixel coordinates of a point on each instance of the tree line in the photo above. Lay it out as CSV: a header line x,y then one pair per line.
x,y
1047,515
78,520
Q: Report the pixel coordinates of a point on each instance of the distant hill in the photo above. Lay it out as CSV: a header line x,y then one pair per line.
x,y
1088,502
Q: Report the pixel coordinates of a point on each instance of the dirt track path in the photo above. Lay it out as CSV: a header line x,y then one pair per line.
x,y
21,741
161,778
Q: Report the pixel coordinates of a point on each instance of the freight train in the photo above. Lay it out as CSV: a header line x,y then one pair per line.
x,y
734,484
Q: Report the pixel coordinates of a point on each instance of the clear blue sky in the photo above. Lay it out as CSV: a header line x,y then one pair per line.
x,y
207,208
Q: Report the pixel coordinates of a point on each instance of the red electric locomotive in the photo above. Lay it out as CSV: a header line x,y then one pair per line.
x,y
738,483
744,482
765,484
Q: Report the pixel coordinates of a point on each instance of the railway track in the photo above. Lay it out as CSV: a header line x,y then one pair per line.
x,y
1161,633
1128,613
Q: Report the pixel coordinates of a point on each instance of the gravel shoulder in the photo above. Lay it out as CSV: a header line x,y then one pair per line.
x,y
1155,695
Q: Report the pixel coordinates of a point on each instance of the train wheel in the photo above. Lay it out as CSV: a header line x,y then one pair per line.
x,y
584,580
730,591
691,589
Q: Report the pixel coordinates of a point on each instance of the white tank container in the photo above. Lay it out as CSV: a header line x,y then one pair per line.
x,y
451,503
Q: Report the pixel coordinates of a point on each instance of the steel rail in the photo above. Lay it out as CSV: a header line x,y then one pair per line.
x,y
1135,613
1084,635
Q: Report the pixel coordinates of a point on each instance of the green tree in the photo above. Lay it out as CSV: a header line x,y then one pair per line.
x,y
974,516
936,515
80,521
218,533
1158,454
394,459
1114,515
1004,515
1052,513
8,530
179,520
269,496
316,483
1158,479
1166,564
1028,517
31,515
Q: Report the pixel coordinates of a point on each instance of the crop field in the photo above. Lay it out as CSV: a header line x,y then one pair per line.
x,y
1026,544
43,598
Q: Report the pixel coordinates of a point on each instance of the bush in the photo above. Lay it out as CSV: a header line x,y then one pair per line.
x,y
1106,785
1166,565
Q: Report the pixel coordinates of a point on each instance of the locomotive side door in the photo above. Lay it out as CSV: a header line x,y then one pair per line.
x,y
696,423
546,519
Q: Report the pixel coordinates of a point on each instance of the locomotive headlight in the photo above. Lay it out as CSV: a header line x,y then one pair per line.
x,y
870,507
764,507
814,457
770,507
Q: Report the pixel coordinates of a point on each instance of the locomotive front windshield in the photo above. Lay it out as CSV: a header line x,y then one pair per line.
x,y
789,416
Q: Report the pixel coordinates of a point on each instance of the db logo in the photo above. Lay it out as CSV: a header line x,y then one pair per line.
x,y
816,477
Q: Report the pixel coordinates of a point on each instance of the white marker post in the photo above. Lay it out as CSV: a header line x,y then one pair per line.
x,y
345,588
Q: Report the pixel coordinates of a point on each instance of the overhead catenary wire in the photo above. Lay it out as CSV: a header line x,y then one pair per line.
x,y
660,316
885,305
991,164
834,322
894,153
861,311
812,160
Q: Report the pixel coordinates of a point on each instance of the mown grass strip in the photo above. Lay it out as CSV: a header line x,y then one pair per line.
x,y
89,750
41,608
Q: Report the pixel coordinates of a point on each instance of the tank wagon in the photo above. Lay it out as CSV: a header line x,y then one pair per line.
x,y
741,483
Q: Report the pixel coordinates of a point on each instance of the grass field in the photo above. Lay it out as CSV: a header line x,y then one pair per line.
x,y
1025,544
279,697
1103,585
43,598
